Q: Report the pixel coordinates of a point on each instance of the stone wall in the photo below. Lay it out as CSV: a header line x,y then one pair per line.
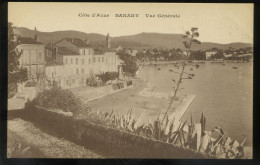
x,y
106,141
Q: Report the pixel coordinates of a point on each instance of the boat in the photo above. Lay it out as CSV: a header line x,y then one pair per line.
x,y
170,70
234,67
159,68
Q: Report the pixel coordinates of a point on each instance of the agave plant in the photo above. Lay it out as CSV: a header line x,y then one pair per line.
x,y
172,131
178,135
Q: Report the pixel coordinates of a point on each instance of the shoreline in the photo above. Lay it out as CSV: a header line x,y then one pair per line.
x,y
194,61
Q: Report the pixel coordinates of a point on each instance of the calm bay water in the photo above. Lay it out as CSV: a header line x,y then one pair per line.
x,y
225,94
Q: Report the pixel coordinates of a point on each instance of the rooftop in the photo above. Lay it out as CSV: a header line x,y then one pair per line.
x,y
78,42
28,40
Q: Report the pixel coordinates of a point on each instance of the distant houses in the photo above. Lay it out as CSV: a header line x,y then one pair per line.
x,y
209,54
68,62
130,51
238,57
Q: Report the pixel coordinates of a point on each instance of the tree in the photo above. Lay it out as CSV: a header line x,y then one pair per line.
x,y
130,66
16,73
106,76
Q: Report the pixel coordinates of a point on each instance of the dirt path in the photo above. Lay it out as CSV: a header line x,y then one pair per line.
x,y
25,140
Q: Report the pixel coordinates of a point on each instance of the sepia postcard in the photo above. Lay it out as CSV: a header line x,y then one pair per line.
x,y
130,80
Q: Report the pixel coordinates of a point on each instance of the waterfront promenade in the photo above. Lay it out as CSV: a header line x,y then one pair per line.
x,y
129,98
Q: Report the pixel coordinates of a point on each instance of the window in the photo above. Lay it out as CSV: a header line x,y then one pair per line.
x,y
25,57
98,59
33,56
89,60
106,60
71,60
102,59
89,51
94,59
76,61
82,61
40,55
67,82
82,70
73,81
66,61
84,51
77,71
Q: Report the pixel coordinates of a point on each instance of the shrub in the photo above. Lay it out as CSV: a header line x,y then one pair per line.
x,y
106,76
12,89
57,98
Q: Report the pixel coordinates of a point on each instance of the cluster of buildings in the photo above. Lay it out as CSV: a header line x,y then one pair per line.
x,y
68,62
230,55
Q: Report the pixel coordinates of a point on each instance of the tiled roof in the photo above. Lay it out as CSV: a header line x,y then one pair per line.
x,y
66,51
78,42
28,40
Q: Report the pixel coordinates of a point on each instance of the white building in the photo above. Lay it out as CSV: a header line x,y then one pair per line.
x,y
209,54
78,61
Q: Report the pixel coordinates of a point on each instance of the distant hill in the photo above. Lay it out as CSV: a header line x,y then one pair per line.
x,y
158,40
46,37
142,40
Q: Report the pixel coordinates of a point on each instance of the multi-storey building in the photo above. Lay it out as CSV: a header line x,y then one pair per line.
x,y
68,62
79,61
32,57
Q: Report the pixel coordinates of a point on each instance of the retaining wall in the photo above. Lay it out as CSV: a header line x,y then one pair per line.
x,y
107,141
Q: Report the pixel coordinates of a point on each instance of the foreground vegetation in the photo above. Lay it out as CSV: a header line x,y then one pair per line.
x,y
191,136
57,99
16,73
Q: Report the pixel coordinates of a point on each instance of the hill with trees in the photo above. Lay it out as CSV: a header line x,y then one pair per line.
x,y
138,41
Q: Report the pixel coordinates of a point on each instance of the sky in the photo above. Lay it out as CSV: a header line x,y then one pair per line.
x,y
219,23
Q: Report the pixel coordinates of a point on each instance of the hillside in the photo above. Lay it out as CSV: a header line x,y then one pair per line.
x,y
142,40
46,37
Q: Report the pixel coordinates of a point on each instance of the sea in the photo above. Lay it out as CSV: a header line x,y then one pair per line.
x,y
223,91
